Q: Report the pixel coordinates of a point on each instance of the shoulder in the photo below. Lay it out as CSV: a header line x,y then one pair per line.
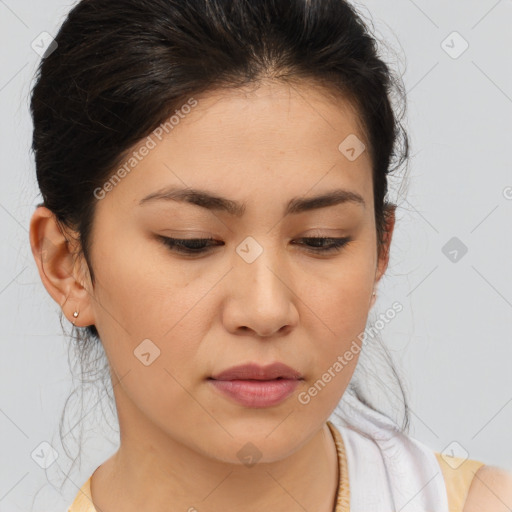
x,y
490,490
83,500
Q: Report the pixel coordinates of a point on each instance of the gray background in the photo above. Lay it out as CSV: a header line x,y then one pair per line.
x,y
452,341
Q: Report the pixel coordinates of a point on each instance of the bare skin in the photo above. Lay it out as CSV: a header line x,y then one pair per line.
x,y
179,435
491,490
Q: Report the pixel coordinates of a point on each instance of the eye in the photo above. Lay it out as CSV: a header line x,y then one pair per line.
x,y
324,244
193,246
189,246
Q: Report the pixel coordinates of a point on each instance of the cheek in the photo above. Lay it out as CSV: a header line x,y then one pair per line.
x,y
151,313
335,341
339,294
337,333
151,336
141,291
339,301
152,305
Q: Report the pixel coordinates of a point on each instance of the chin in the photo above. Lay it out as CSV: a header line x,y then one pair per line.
x,y
262,441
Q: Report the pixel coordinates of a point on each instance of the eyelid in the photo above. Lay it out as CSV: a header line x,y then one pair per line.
x,y
182,233
335,245
324,232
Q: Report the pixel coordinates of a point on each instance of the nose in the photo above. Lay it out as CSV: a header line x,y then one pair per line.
x,y
262,297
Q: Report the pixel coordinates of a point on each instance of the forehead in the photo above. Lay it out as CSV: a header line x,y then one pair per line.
x,y
282,139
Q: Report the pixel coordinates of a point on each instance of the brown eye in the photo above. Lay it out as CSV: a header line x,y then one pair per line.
x,y
324,244
188,245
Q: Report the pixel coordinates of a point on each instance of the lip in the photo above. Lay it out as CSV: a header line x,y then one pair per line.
x,y
252,385
254,371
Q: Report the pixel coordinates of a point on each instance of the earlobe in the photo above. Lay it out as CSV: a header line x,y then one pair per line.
x,y
373,298
59,267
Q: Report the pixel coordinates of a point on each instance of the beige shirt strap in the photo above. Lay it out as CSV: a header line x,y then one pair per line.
x,y
458,474
83,500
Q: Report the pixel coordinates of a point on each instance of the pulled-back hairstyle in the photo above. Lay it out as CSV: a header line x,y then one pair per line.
x,y
121,68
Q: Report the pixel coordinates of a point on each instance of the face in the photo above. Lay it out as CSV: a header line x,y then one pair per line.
x,y
173,314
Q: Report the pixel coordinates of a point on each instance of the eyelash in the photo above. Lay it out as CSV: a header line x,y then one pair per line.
x,y
179,244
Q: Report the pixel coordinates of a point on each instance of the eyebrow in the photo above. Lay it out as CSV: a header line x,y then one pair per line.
x,y
211,201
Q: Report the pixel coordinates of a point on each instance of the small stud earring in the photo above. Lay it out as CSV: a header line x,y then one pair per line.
x,y
75,314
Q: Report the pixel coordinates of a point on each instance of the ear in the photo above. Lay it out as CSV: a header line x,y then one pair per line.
x,y
64,275
384,249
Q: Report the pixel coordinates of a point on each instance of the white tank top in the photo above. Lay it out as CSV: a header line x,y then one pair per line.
x,y
387,470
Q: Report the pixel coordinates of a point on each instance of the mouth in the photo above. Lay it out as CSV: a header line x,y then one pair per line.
x,y
252,385
253,371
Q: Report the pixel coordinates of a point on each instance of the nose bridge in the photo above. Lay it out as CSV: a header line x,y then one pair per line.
x,y
257,267
264,301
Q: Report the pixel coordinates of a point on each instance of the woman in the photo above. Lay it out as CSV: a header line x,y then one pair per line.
x,y
214,180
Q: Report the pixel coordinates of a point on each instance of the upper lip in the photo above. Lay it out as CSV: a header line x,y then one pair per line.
x,y
256,372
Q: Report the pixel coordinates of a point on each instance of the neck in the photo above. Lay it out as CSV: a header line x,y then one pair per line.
x,y
152,471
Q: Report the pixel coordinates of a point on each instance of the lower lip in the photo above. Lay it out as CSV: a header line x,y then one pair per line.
x,y
257,393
